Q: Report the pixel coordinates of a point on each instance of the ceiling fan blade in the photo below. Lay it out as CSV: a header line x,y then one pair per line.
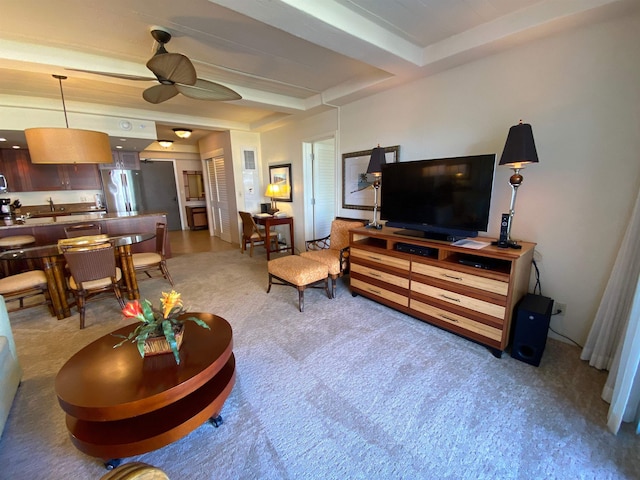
x,y
159,93
115,75
174,67
206,90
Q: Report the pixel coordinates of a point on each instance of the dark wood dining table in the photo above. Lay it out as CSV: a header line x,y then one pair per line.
x,y
53,262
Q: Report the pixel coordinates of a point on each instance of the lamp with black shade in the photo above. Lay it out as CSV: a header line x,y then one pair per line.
x,y
519,150
375,168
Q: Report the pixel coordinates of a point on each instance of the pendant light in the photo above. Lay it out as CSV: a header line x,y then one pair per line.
x,y
67,145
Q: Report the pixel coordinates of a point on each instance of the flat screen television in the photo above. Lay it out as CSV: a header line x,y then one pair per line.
x,y
443,198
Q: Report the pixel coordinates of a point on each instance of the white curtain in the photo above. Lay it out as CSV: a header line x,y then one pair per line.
x,y
614,340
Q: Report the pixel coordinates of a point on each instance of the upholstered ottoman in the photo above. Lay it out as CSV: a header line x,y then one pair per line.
x,y
135,471
300,273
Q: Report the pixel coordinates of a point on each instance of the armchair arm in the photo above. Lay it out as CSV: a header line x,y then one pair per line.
x,y
318,243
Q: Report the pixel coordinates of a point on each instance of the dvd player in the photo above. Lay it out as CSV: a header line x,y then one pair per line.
x,y
417,250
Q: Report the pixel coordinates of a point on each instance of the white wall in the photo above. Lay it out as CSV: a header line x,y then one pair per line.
x,y
579,90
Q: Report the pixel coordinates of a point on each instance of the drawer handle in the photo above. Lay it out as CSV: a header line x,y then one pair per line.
x,y
450,298
377,292
377,275
378,259
449,318
452,276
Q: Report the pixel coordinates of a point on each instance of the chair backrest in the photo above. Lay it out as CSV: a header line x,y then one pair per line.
x,y
249,226
82,230
161,237
92,262
340,233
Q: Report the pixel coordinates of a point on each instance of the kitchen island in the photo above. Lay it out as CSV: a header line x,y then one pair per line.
x,y
48,230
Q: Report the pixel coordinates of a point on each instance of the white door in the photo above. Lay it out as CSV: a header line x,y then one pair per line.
x,y
219,205
323,173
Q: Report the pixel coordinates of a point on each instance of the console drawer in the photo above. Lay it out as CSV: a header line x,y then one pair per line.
x,y
461,278
380,275
380,292
380,258
454,298
455,319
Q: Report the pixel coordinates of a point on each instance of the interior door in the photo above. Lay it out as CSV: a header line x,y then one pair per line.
x,y
158,192
219,204
323,169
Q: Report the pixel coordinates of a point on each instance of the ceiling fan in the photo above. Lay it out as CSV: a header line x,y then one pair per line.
x,y
176,74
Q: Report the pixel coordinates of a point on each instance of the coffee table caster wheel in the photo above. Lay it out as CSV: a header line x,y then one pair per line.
x,y
216,421
112,463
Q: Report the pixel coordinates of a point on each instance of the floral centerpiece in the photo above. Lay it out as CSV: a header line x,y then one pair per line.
x,y
163,324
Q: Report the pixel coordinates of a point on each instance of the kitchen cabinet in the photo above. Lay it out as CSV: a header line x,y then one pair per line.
x,y
9,160
24,176
122,160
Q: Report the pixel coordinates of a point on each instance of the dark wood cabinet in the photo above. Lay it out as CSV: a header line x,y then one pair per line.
x,y
9,167
24,176
197,217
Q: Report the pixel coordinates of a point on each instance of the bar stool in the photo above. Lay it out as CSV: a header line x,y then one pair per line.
x,y
21,286
14,242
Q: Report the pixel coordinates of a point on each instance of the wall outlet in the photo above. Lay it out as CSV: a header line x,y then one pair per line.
x,y
559,308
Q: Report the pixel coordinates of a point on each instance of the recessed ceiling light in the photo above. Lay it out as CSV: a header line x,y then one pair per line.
x,y
2,139
16,147
118,146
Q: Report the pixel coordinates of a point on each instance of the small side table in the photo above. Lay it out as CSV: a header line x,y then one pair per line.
x,y
197,218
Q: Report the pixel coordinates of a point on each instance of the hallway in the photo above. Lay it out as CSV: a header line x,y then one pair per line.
x,y
195,241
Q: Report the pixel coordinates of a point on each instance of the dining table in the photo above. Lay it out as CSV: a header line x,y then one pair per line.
x,y
52,258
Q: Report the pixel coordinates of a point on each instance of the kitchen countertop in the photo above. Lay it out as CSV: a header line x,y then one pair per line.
x,y
62,219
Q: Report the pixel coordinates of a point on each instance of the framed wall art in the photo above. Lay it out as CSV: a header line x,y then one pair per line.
x,y
357,191
281,175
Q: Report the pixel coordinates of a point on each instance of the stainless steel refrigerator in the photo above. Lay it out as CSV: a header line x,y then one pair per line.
x,y
123,191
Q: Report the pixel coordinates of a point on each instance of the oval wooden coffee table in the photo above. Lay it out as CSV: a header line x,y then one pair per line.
x,y
119,404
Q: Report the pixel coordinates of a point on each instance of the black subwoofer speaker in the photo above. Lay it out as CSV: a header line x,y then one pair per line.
x,y
532,317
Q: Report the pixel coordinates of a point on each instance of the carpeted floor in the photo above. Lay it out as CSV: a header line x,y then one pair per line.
x,y
349,389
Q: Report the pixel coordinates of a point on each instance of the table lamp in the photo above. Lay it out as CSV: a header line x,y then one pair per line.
x,y
276,190
519,150
375,168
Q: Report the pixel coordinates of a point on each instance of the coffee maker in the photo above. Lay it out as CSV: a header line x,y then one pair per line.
x,y
5,208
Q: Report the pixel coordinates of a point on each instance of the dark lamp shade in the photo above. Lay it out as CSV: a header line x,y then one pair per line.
x,y
377,160
67,145
519,148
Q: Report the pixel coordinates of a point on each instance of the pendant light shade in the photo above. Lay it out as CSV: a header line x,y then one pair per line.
x,y
67,145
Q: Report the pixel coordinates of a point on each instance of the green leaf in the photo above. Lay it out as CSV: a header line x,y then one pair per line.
x,y
167,328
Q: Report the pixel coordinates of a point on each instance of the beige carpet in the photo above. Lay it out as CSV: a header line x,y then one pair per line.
x,y
347,389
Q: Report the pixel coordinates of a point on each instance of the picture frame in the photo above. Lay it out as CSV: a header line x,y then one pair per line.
x,y
281,174
356,194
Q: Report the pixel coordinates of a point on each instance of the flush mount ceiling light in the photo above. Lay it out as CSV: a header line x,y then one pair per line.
x,y
67,145
182,132
165,143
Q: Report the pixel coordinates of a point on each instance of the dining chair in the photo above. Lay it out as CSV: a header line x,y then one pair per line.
x,y
82,230
146,261
252,234
22,286
93,271
13,242
333,250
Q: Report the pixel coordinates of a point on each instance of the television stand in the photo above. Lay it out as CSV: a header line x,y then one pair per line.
x,y
442,237
469,292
